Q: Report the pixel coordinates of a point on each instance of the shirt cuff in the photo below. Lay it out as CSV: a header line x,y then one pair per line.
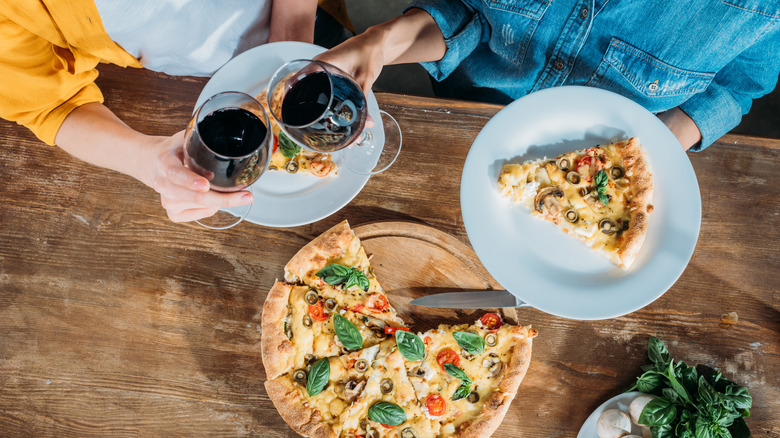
x,y
462,31
715,111
46,126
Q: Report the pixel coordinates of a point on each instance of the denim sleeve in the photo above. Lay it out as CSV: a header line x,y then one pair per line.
x,y
462,26
749,76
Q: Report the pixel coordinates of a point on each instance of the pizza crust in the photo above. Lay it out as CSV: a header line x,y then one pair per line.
x,y
276,348
313,257
302,419
641,203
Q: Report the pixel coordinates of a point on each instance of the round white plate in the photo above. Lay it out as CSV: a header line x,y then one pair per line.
x,y
622,401
532,258
283,199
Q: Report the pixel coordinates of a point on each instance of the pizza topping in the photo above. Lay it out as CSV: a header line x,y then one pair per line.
x,y
601,186
289,147
436,405
321,167
300,376
470,342
465,383
361,365
378,303
473,397
318,377
317,312
549,197
491,339
491,321
410,345
352,389
379,333
307,321
386,413
386,386
573,177
616,172
607,226
335,274
311,297
348,334
572,216
447,356
493,364
331,305
563,163
408,433
291,166
373,433
391,330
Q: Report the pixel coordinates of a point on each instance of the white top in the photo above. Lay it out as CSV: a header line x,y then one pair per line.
x,y
186,37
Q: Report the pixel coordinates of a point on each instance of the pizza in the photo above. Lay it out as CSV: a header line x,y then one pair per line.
x,y
601,195
288,156
340,362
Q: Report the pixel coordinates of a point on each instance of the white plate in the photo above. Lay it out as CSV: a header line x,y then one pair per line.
x,y
532,258
282,199
622,401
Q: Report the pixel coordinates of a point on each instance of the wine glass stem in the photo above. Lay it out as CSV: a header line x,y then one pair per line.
x,y
366,137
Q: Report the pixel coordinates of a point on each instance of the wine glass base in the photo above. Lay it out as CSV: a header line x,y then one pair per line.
x,y
377,150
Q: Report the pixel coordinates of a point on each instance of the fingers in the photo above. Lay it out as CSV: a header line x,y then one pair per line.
x,y
171,169
191,214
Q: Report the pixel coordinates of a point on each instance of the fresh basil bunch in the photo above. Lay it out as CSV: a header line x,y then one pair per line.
x,y
336,274
693,402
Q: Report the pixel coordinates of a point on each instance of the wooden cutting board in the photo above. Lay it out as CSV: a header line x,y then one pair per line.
x,y
412,260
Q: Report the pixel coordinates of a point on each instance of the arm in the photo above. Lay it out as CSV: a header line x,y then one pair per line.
x,y
292,20
682,126
94,134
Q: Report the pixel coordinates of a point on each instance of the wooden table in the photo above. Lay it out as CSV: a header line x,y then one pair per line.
x,y
116,322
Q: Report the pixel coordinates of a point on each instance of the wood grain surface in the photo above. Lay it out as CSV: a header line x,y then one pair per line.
x,y
116,322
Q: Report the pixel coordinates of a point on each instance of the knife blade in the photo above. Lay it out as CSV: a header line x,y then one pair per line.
x,y
476,299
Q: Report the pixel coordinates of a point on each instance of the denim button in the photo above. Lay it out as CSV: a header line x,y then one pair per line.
x,y
559,65
653,86
584,13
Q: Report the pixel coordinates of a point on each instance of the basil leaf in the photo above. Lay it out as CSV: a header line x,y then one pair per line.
x,y
657,352
386,413
357,278
658,412
336,274
463,391
348,334
319,375
739,429
457,373
740,396
665,431
289,148
601,186
410,345
472,343
650,382
678,388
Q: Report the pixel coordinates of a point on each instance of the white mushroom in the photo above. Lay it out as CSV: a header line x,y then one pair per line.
x,y
646,432
636,407
613,423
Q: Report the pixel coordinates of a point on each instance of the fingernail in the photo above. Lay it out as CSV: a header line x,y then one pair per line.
x,y
201,184
246,198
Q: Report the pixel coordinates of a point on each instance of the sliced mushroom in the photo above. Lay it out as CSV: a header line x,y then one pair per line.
x,y
408,433
363,425
571,216
585,190
493,364
373,433
361,365
563,163
331,305
307,321
549,197
379,333
373,323
491,339
309,359
613,423
616,172
352,389
573,177
473,397
300,376
607,226
466,355
291,166
311,297
386,386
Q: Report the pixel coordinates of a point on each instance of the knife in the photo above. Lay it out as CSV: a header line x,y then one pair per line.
x,y
475,299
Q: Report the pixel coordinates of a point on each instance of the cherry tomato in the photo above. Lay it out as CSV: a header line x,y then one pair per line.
x,y
391,330
491,321
317,312
448,356
378,303
427,340
357,308
387,426
351,363
321,168
435,404
276,144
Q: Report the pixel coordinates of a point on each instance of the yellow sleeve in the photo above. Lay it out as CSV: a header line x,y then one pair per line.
x,y
42,83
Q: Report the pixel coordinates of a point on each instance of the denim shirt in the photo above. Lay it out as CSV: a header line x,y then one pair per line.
x,y
709,57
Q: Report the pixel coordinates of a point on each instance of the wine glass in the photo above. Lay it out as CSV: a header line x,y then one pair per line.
x,y
227,142
321,108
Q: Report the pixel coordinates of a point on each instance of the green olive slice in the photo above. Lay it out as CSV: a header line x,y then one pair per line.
x,y
572,216
373,433
379,333
331,305
564,163
607,226
361,365
291,166
408,433
491,339
311,297
363,425
616,172
300,376
473,397
573,177
386,386
307,321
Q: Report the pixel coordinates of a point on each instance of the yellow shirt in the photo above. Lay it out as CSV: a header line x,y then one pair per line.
x,y
49,51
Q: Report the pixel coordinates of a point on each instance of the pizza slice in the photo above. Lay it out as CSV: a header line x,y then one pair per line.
x,y
469,373
288,156
300,325
337,267
601,195
315,400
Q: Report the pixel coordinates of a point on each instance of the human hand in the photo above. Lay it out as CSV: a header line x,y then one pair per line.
x,y
361,57
185,195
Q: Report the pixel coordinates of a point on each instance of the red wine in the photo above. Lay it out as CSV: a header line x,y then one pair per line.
x,y
307,100
231,146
